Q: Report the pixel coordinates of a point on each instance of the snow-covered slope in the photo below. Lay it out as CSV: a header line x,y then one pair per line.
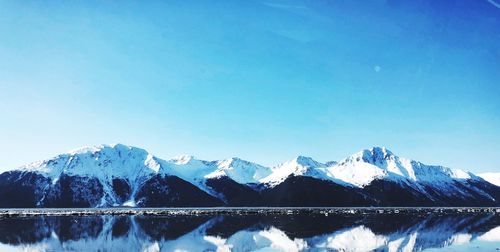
x,y
105,163
190,169
492,177
361,168
100,161
239,170
133,167
299,166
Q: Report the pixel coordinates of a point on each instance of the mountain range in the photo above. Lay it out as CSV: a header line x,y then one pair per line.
x,y
120,175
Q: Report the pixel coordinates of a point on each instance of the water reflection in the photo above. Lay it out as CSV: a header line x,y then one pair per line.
x,y
249,232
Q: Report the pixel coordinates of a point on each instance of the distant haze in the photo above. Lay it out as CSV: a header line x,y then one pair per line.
x,y
262,80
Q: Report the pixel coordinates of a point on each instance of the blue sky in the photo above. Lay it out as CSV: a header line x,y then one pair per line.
x,y
261,80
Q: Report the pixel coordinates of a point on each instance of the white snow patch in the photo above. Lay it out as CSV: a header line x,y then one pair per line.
x,y
492,177
493,235
129,203
299,166
241,171
358,174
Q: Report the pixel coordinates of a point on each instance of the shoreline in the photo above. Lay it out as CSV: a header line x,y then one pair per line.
x,y
27,212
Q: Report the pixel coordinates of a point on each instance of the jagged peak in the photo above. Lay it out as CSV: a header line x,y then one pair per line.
x,y
381,161
331,163
128,160
306,161
378,152
381,149
95,151
372,155
104,147
234,161
182,159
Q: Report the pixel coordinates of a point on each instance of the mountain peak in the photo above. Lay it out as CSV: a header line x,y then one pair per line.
x,y
135,166
306,161
97,153
299,166
234,161
379,151
182,159
240,170
372,155
104,147
126,161
331,163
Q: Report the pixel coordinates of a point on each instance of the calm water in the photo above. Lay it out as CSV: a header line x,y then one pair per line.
x,y
388,232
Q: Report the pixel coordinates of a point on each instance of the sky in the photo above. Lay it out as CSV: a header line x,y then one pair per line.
x,y
261,80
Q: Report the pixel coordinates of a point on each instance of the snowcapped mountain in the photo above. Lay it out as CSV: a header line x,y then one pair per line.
x,y
133,166
299,166
99,161
361,168
377,169
114,175
106,175
241,171
106,164
492,177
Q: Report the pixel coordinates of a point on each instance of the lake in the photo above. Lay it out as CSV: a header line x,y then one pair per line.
x,y
252,231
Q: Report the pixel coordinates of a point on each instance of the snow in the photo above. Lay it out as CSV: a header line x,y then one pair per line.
x,y
363,167
493,235
190,169
239,170
299,166
103,162
106,162
331,163
129,203
492,177
358,174
182,160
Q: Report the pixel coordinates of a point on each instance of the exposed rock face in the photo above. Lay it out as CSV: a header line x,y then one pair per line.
x,y
120,175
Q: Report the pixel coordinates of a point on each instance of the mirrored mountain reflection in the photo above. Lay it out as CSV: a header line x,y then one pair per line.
x,y
396,232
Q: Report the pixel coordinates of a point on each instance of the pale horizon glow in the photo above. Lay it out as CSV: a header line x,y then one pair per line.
x,y
264,81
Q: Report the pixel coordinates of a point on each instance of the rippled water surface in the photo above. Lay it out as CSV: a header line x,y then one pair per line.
x,y
298,232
